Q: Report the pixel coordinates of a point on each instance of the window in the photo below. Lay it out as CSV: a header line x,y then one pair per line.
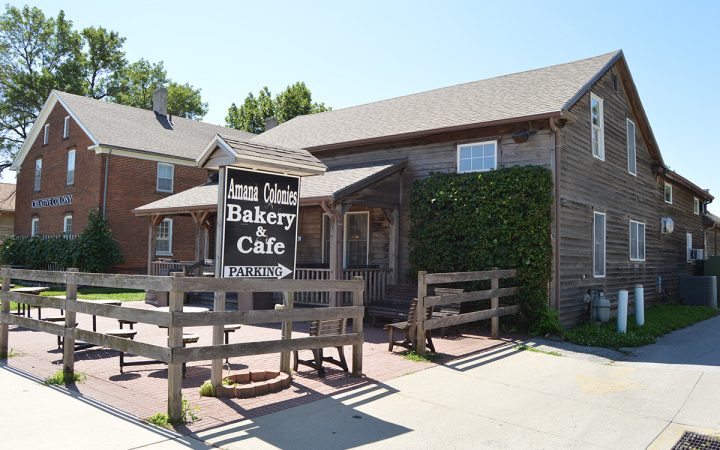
x,y
477,157
38,174
67,225
165,177
356,239
326,224
46,134
696,205
598,245
637,241
66,127
631,152
71,167
596,122
35,227
668,193
163,238
688,237
614,80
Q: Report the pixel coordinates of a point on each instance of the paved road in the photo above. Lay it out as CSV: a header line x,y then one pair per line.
x,y
505,399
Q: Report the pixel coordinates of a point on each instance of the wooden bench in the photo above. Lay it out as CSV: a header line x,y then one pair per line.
x,y
332,327
409,327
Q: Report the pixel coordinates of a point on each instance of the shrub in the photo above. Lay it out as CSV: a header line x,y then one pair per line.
x,y
96,250
478,221
207,389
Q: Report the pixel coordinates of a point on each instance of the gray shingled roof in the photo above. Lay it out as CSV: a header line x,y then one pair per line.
x,y
524,94
131,128
256,150
329,185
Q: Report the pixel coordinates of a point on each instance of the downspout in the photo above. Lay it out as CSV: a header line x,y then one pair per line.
x,y
556,187
105,181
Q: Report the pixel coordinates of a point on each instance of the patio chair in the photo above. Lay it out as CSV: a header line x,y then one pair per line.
x,y
409,327
334,327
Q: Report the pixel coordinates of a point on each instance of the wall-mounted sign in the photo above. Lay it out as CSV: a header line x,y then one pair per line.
x,y
260,212
60,200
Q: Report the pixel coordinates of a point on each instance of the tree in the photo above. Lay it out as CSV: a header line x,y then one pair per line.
x,y
103,60
295,100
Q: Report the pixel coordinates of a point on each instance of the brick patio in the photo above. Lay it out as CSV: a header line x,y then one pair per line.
x,y
142,390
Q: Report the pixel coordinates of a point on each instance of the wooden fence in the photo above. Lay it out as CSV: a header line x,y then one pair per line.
x,y
494,294
174,354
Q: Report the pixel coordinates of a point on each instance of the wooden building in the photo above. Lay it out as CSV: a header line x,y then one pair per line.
x,y
7,210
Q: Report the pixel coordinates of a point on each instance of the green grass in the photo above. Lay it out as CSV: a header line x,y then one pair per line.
x,y
58,378
187,415
95,293
524,347
659,320
12,353
207,389
414,356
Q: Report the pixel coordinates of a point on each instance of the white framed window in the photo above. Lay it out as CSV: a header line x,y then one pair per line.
x,y
599,244
355,251
477,157
631,148
71,167
598,127
696,205
688,241
35,227
163,238
165,177
637,241
326,224
46,134
67,224
38,174
66,127
668,193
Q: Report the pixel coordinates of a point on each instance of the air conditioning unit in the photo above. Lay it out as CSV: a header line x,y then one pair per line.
x,y
696,254
667,225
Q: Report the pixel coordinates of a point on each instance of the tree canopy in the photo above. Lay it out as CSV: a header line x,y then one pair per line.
x,y
40,53
295,100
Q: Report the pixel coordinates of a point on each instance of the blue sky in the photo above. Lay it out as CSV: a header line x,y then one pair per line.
x,y
353,53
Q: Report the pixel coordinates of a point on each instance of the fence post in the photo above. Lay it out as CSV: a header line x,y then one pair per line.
x,y
420,313
494,304
70,323
357,327
175,341
288,303
217,339
5,309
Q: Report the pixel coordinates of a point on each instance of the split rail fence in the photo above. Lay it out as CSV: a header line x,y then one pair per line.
x,y
174,354
494,294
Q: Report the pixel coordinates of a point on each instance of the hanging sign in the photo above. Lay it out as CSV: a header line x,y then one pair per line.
x,y
259,213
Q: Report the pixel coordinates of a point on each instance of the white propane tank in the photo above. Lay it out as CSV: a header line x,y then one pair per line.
x,y
639,305
622,311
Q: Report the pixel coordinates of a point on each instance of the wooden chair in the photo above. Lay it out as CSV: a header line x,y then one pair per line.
x,y
410,328
333,327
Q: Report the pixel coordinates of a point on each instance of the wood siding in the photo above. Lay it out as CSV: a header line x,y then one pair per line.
x,y
588,184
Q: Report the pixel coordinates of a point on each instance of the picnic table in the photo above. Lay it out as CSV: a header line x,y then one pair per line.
x,y
32,290
101,302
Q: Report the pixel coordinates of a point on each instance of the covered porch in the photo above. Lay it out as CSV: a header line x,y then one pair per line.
x,y
348,226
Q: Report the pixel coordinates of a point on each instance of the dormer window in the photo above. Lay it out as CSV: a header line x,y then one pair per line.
x,y
165,177
597,125
46,134
66,127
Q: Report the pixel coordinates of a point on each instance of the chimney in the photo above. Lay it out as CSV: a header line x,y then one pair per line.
x,y
160,96
270,123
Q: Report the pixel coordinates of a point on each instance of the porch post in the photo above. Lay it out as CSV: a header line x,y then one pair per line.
x,y
152,240
200,219
394,247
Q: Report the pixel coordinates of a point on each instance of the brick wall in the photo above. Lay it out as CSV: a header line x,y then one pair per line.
x,y
85,191
132,183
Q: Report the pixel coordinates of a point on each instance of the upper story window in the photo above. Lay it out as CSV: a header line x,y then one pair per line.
x,y
38,174
35,227
668,193
696,205
637,241
165,177
631,150
163,238
66,127
67,224
599,244
46,134
477,157
598,127
71,168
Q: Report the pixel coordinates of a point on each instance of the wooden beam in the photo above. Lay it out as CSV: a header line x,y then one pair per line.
x,y
420,313
457,277
448,299
494,304
288,300
174,342
70,324
217,339
4,311
357,327
267,316
443,322
394,246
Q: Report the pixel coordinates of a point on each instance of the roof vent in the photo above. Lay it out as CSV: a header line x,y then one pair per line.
x,y
160,98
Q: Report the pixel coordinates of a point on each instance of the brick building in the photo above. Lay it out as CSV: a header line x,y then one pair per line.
x,y
84,153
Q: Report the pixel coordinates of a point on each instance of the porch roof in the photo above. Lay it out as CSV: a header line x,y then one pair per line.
x,y
331,186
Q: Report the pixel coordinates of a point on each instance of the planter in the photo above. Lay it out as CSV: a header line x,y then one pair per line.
x,y
247,384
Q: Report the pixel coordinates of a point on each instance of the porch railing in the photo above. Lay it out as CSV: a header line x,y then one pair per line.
x,y
165,268
376,280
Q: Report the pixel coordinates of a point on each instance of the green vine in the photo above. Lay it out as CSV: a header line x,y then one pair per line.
x,y
479,221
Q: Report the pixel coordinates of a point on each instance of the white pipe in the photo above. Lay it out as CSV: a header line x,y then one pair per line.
x,y
622,311
639,305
